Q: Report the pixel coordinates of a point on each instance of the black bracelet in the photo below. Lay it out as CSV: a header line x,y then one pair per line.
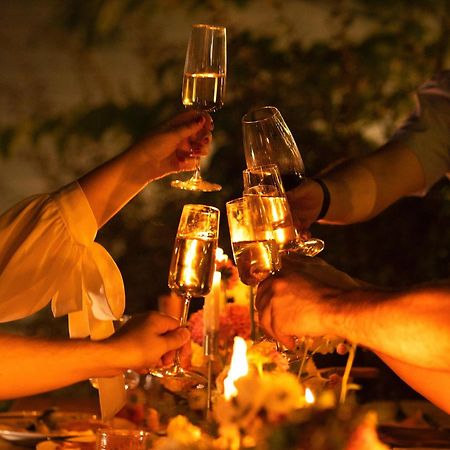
x,y
326,198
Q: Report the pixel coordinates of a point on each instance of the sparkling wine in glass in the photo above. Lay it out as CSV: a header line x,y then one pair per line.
x,y
268,140
192,267
255,249
204,85
265,182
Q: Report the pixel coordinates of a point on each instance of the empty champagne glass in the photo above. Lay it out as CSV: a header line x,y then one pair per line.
x,y
255,249
204,85
192,267
268,140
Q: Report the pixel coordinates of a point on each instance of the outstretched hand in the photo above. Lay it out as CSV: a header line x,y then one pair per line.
x,y
299,300
176,144
150,340
305,202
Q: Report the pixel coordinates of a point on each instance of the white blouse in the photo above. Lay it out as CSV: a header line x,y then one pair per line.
x,y
48,253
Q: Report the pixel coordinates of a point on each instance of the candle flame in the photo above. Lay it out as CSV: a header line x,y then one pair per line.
x,y
309,396
238,367
220,255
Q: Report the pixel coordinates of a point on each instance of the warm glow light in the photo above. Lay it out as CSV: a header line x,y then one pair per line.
x,y
190,274
238,367
309,396
211,309
220,255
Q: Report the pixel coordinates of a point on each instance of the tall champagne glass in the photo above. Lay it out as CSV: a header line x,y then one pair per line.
x,y
268,140
204,85
255,249
265,182
192,266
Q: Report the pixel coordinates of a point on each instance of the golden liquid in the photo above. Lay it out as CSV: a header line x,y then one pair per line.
x,y
192,266
203,91
279,214
256,260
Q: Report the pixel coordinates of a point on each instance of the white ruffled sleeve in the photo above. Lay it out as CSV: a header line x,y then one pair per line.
x,y
47,252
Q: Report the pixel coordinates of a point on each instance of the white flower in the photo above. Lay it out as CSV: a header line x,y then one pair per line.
x,y
283,393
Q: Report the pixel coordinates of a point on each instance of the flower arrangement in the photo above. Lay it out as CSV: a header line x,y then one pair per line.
x,y
271,409
264,400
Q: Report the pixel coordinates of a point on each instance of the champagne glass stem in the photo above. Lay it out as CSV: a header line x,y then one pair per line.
x,y
252,313
303,360
196,175
183,323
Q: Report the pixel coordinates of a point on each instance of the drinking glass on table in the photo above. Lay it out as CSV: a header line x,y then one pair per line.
x,y
204,85
265,181
255,249
126,439
268,140
192,268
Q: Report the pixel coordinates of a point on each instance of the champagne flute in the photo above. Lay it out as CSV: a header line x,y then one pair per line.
x,y
255,249
204,85
192,267
268,140
265,182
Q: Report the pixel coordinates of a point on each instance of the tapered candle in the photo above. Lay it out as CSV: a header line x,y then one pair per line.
x,y
211,309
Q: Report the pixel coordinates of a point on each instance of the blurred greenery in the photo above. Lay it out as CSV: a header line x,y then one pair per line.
x,y
340,94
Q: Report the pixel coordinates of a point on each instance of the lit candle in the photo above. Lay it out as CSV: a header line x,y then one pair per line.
x,y
309,396
238,367
211,309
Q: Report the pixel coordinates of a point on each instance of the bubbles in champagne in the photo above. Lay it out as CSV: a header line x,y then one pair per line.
x,y
203,91
256,260
192,266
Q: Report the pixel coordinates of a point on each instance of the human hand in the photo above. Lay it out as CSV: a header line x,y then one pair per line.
x,y
302,299
305,202
150,340
176,144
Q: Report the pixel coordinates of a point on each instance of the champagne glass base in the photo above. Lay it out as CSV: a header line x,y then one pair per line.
x,y
177,379
196,184
310,247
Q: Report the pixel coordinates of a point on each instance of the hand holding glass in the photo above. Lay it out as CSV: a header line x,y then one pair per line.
x,y
265,181
268,140
204,84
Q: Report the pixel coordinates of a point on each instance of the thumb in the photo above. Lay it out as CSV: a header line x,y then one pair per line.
x,y
176,338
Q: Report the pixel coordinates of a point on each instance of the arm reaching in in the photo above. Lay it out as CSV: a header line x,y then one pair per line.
x,y
146,340
409,329
169,149
414,158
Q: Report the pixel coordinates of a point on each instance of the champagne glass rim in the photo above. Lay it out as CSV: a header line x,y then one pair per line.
x,y
262,168
200,207
235,201
211,27
274,111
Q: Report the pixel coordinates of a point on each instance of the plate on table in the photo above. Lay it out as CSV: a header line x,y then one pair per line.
x,y
27,428
414,437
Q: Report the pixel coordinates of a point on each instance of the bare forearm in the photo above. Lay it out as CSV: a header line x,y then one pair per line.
x,y
362,188
109,187
432,384
32,365
411,326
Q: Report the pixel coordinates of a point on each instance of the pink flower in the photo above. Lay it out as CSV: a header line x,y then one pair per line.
x,y
229,273
234,321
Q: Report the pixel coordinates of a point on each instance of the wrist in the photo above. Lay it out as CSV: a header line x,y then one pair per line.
x,y
325,199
